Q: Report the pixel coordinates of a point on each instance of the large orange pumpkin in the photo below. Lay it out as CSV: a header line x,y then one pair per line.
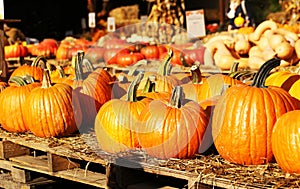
x,y
286,143
117,119
12,104
50,110
283,79
244,117
172,128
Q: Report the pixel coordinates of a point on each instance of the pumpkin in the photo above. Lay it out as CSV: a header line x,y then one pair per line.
x,y
12,104
51,109
93,90
117,119
46,48
283,79
172,128
150,52
192,90
15,51
285,141
128,59
33,70
294,90
244,117
165,81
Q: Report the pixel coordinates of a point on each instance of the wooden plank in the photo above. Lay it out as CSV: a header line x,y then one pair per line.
x,y
9,149
20,175
58,163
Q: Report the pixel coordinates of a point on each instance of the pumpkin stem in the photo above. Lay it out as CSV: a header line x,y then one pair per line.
x,y
263,72
61,71
134,67
36,62
46,82
88,65
132,90
176,97
78,65
150,84
20,81
196,74
165,68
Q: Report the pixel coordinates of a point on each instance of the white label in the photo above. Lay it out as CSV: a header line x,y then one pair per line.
x,y
1,9
195,23
92,20
111,24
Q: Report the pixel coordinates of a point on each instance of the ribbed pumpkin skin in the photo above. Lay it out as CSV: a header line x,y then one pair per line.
x,y
286,142
243,120
283,79
213,85
295,89
170,132
50,111
3,85
12,107
116,123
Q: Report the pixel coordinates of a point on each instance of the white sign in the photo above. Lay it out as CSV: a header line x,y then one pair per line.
x,y
1,9
111,24
92,20
195,23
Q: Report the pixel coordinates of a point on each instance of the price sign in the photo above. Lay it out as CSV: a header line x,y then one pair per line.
x,y
92,20
195,23
1,9
111,24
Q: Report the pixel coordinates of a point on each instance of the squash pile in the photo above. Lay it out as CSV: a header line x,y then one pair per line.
x,y
163,113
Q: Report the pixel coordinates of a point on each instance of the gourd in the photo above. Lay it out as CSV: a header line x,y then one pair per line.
x,y
244,117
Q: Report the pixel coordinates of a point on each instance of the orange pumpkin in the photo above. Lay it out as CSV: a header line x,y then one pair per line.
x,y
12,104
117,119
285,141
244,117
15,51
283,79
33,70
51,109
172,128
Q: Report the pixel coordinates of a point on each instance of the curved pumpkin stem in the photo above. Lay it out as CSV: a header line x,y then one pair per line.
x,y
36,61
176,97
61,71
78,65
132,90
150,84
18,80
46,82
88,65
263,72
196,74
165,68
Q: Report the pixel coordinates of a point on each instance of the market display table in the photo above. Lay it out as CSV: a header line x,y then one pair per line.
x,y
78,158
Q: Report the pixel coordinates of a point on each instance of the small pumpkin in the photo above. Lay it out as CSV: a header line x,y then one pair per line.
x,y
285,141
35,70
172,128
244,117
15,51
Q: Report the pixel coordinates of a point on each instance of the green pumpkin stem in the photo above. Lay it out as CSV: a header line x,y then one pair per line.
x,y
263,72
165,67
78,65
150,84
176,97
38,59
196,74
46,82
132,90
20,81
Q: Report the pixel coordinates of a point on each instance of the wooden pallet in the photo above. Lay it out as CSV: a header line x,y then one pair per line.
x,y
78,158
